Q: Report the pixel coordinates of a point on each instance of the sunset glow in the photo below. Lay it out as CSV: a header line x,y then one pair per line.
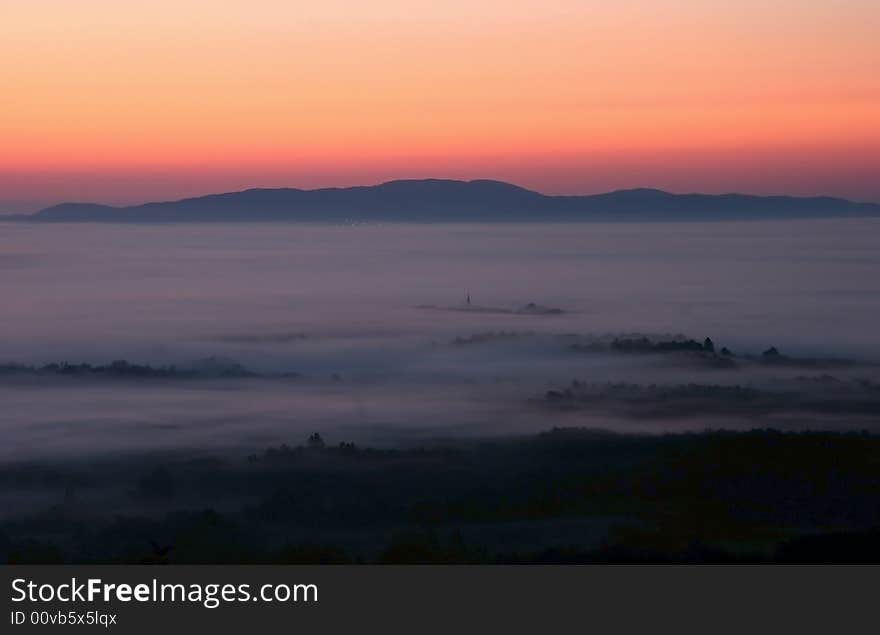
x,y
128,101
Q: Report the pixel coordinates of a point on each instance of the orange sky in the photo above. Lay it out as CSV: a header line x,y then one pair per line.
x,y
127,101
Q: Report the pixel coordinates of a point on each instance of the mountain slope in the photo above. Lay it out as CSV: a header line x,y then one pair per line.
x,y
437,200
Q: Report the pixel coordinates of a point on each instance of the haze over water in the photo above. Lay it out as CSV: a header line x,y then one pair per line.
x,y
322,300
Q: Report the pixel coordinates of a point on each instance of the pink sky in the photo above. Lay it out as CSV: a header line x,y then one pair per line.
x,y
126,102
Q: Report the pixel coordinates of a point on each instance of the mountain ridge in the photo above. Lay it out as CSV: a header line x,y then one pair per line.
x,y
438,200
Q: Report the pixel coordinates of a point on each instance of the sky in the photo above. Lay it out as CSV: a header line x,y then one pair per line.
x,y
124,102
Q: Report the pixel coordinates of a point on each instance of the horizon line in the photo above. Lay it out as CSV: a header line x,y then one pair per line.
x,y
435,179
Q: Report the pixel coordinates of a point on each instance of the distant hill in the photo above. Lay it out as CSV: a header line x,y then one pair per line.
x,y
437,200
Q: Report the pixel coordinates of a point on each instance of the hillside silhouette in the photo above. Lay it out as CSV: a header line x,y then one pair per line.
x,y
438,200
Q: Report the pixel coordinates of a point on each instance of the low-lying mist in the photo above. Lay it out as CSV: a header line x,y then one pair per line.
x,y
302,393
397,333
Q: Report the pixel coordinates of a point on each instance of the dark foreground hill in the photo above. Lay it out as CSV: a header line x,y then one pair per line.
x,y
564,496
435,200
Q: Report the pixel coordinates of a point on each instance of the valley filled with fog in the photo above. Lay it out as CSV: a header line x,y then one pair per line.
x,y
363,333
437,393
